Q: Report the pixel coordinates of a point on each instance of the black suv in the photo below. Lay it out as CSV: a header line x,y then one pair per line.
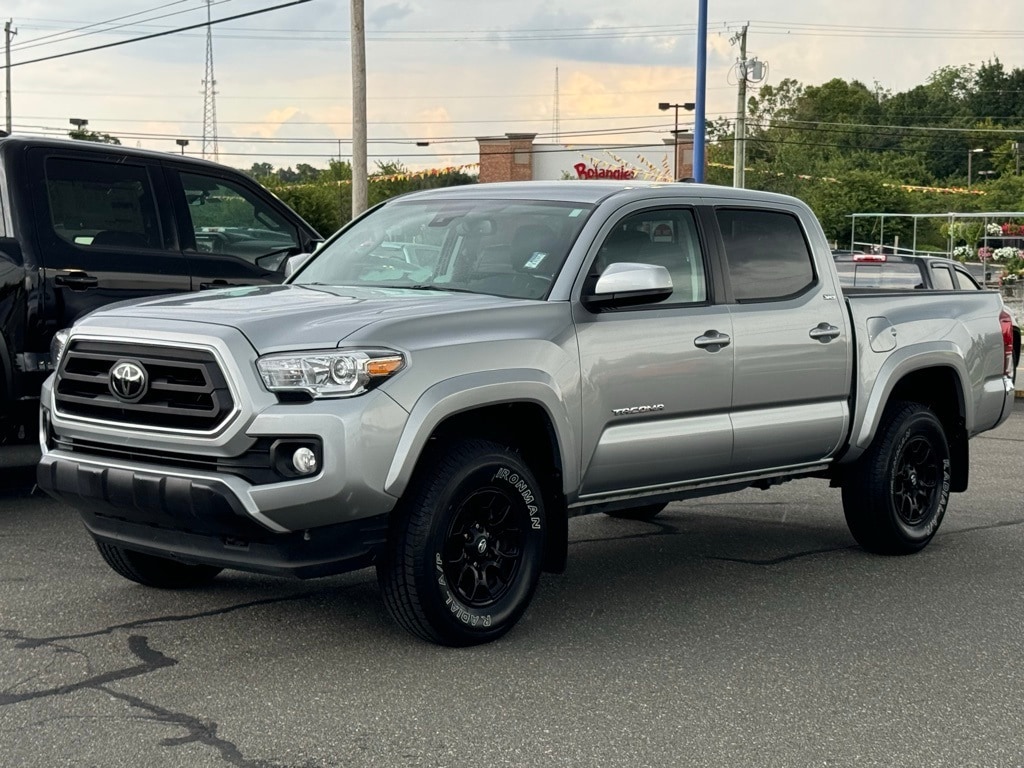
x,y
85,224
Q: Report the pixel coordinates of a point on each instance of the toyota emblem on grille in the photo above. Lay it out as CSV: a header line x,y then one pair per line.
x,y
128,381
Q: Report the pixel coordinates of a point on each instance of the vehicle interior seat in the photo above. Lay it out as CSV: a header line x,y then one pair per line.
x,y
534,251
621,245
534,256
678,264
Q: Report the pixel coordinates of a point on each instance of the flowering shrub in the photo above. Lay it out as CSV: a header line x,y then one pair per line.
x,y
994,230
1006,253
1011,230
984,253
962,252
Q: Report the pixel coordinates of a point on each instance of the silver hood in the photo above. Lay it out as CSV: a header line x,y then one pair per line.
x,y
277,316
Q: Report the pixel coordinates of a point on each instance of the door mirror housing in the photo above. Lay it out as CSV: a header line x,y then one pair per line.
x,y
626,284
295,263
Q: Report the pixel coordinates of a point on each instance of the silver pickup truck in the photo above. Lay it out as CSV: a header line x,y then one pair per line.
x,y
457,373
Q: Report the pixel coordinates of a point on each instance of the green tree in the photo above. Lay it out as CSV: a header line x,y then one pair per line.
x,y
84,134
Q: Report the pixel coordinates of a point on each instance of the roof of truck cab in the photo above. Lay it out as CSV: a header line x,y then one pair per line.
x,y
15,142
594,192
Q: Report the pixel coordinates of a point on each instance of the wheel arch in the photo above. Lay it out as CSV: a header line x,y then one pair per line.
x,y
528,416
941,389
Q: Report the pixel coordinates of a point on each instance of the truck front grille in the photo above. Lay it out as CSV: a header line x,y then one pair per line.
x,y
182,389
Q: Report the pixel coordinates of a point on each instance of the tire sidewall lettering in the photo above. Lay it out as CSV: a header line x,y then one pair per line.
x,y
927,530
451,606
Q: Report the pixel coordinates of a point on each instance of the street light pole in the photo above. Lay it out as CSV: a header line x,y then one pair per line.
x,y
181,143
663,106
970,154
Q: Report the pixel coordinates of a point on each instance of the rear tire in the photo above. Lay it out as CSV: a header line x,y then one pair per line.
x,y
896,495
153,571
465,550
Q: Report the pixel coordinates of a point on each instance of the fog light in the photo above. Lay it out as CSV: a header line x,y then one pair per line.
x,y
304,461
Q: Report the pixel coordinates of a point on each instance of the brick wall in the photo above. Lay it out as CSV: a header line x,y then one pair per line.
x,y
507,158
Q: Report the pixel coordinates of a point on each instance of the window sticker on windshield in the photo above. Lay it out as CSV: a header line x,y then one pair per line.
x,y
534,261
575,212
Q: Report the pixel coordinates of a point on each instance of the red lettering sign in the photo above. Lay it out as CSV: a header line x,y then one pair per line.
x,y
583,171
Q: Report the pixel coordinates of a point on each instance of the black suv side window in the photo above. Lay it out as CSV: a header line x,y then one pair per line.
x,y
767,254
229,219
98,204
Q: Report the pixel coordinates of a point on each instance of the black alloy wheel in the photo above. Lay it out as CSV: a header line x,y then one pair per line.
x,y
466,544
895,496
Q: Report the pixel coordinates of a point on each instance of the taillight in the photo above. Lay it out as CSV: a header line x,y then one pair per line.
x,y
1006,323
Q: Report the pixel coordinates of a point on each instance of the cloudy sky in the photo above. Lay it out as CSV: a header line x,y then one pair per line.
x,y
447,71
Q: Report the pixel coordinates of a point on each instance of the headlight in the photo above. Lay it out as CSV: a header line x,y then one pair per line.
x,y
330,373
57,345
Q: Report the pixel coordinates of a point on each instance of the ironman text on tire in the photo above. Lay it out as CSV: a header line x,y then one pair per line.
x,y
896,495
465,549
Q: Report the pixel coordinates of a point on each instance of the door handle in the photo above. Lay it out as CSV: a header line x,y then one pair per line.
x,y
712,341
824,332
76,281
217,284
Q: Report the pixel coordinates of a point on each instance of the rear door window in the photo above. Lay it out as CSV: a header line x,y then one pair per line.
x,y
767,255
102,205
942,280
965,281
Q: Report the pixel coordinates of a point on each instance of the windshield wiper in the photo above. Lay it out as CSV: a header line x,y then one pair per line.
x,y
433,287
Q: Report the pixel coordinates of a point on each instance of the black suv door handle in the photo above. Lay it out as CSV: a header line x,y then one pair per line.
x,y
217,284
712,341
76,281
824,332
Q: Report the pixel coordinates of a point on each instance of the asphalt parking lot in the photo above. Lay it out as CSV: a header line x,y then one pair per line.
x,y
738,630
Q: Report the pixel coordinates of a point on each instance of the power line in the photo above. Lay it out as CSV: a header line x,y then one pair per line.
x,y
934,128
619,130
161,34
34,42
273,97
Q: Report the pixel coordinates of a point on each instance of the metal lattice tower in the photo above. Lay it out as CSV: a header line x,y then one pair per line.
x,y
209,95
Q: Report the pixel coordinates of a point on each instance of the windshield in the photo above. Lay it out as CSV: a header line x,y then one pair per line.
x,y
509,248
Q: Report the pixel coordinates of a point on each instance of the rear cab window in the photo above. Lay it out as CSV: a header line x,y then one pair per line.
x,y
894,275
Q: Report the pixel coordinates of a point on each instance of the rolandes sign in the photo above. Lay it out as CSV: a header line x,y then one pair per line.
x,y
584,171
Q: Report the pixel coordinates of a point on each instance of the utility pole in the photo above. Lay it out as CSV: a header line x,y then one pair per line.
x,y
8,34
360,183
739,147
699,127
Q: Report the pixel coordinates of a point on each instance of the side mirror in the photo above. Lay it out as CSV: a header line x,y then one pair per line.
x,y
627,284
294,263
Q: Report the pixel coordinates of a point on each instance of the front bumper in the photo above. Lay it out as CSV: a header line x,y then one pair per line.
x,y
202,520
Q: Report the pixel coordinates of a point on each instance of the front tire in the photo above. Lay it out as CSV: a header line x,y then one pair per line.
x,y
464,555
154,571
896,495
